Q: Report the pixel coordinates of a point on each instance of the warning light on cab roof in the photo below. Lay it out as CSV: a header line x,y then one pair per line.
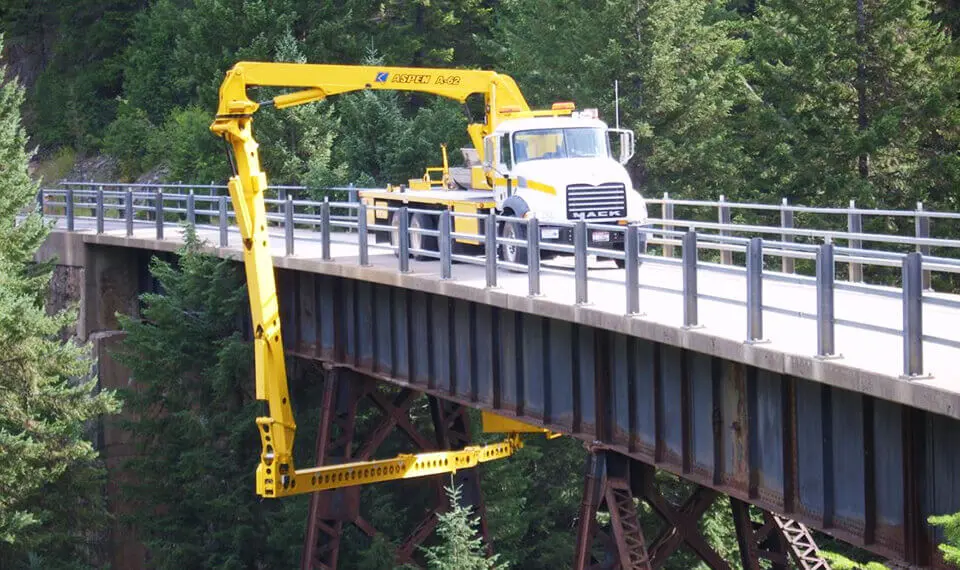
x,y
563,106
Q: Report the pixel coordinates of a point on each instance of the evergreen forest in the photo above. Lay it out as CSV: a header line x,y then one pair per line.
x,y
817,101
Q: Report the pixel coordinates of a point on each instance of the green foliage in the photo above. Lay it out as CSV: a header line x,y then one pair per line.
x,y
532,500
55,167
180,51
841,115
951,530
80,73
193,415
841,562
379,555
677,64
184,143
381,144
50,475
461,547
127,139
297,143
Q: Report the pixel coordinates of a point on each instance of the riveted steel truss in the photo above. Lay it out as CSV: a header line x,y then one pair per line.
x,y
774,538
607,483
338,442
617,484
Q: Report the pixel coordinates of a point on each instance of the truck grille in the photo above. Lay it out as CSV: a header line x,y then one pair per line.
x,y
596,202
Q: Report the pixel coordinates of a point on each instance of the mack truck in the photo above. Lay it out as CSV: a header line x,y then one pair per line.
x,y
559,165
556,164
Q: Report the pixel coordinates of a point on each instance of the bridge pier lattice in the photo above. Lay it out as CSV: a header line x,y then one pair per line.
x,y
618,483
338,441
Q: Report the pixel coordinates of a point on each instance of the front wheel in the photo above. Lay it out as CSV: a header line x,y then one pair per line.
x,y
509,252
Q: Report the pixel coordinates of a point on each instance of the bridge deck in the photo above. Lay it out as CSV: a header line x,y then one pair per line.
x,y
870,362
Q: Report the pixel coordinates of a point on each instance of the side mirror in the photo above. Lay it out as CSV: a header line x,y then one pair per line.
x,y
624,147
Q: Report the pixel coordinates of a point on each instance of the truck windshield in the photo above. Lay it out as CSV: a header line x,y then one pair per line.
x,y
559,143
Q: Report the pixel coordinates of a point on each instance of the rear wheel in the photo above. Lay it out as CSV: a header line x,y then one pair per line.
x,y
395,233
509,252
422,241
621,263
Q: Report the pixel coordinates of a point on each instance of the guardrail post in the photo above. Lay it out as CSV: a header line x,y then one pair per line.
x,y
128,210
325,229
490,248
352,197
826,271
667,215
40,202
363,234
288,224
631,263
191,209
69,208
533,256
404,238
755,290
158,211
912,315
446,246
723,216
691,317
923,231
99,210
223,221
580,260
855,226
787,264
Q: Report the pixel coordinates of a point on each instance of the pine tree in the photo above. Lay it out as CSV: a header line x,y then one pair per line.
x,y
852,100
50,475
677,66
382,142
460,548
298,142
193,412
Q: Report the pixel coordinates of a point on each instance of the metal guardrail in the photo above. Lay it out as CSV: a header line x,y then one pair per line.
x,y
160,205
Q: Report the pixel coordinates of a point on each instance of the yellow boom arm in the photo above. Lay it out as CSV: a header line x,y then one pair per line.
x,y
317,82
276,474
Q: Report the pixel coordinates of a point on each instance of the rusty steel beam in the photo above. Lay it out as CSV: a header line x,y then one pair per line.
x,y
757,541
607,482
627,534
593,476
803,548
337,442
681,525
326,518
776,539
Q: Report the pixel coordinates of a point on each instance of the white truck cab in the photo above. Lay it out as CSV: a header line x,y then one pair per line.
x,y
562,169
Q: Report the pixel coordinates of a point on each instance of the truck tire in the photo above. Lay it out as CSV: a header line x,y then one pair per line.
x,y
421,241
621,263
395,233
513,253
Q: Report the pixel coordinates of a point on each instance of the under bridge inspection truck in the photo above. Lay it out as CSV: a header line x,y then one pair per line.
x,y
555,164
558,164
